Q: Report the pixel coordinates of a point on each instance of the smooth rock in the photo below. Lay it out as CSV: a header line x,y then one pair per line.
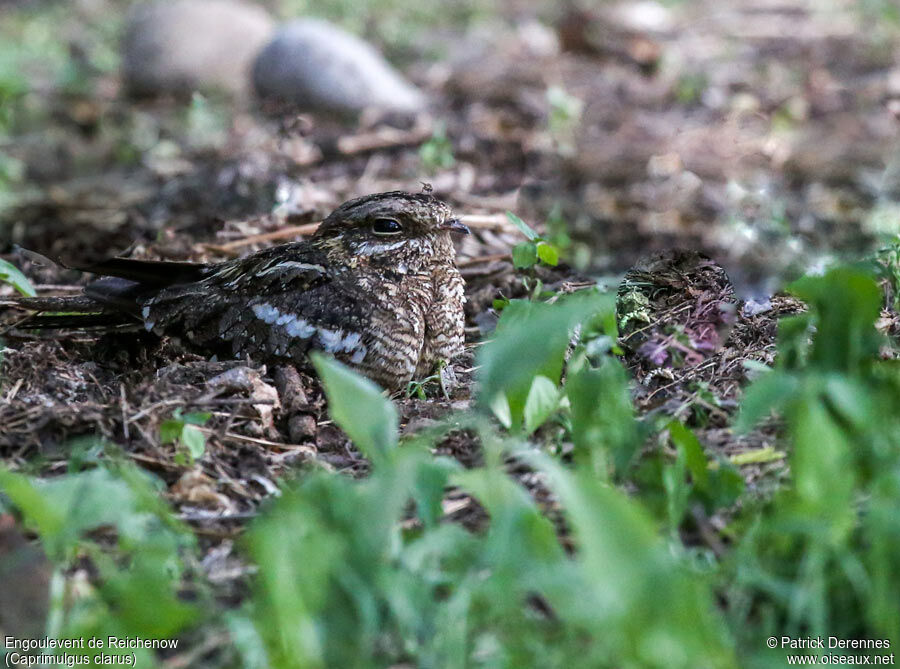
x,y
319,67
187,45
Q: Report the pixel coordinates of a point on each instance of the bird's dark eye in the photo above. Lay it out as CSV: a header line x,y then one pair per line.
x,y
386,226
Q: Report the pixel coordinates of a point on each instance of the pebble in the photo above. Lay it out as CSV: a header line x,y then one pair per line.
x,y
320,67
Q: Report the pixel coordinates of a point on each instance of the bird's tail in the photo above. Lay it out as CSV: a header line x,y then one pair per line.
x,y
110,302
50,313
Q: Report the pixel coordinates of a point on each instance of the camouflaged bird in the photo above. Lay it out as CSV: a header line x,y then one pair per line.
x,y
376,285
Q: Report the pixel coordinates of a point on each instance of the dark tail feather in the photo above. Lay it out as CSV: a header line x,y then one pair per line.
x,y
77,312
108,302
105,320
149,273
77,303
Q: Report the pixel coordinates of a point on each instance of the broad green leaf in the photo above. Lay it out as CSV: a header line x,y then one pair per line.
x,y
194,441
530,340
634,584
10,274
543,398
523,227
196,417
60,509
524,255
604,428
499,406
678,490
358,407
716,482
431,479
694,457
170,430
499,303
821,463
770,392
548,253
846,303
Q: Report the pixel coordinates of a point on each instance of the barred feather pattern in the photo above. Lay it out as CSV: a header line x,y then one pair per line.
x,y
388,304
376,286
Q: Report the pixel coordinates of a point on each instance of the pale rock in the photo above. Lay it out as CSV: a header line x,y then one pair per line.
x,y
319,67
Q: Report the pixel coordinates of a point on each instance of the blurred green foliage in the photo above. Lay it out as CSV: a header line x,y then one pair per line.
x,y
564,118
437,152
10,274
823,558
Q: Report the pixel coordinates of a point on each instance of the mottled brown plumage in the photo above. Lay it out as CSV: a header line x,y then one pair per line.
x,y
376,286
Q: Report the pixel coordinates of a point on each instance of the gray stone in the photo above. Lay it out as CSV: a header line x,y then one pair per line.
x,y
187,45
319,67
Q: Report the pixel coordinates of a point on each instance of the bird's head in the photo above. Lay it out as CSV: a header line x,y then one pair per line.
x,y
393,228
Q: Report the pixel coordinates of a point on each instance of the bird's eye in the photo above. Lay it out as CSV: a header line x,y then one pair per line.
x,y
386,226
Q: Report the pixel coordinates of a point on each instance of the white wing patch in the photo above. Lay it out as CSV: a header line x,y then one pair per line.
x,y
333,341
145,314
292,265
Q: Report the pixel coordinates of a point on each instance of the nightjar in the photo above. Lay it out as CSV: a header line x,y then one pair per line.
x,y
376,286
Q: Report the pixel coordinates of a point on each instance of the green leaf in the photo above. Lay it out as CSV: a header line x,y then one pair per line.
x,y
543,398
548,253
635,583
194,441
170,430
717,483
431,480
846,303
530,340
499,406
524,255
524,228
60,509
196,417
10,274
771,391
358,407
694,457
604,428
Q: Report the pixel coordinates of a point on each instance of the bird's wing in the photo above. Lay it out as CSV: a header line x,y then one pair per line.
x,y
275,304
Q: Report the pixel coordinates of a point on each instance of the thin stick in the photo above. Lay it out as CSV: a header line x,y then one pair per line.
x,y
282,233
480,260
383,138
477,221
123,405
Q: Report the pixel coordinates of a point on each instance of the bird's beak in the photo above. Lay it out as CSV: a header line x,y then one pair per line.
x,y
454,225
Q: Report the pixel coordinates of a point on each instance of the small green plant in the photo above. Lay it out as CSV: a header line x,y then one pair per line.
x,y
140,571
183,430
823,559
352,574
207,122
536,250
690,88
564,118
437,152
